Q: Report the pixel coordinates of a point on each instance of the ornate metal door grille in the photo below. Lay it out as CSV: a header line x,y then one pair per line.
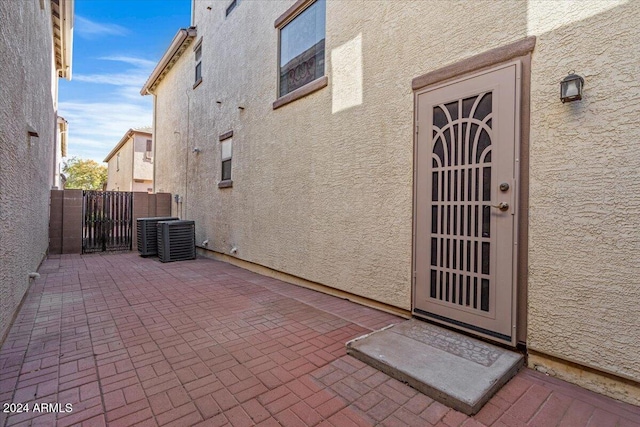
x,y
461,197
107,221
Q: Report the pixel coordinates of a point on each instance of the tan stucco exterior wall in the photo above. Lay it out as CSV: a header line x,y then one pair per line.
x,y
119,176
142,164
170,135
322,187
584,246
134,165
27,82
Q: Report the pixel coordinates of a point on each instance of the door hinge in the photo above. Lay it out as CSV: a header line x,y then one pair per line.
x,y
417,129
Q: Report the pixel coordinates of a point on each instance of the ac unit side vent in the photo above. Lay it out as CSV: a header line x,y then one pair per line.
x,y
176,240
147,234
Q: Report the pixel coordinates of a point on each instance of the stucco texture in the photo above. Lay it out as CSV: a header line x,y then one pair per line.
x,y
26,163
323,187
134,165
142,163
584,246
120,168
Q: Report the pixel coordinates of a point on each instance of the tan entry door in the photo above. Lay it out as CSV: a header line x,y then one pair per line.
x,y
465,197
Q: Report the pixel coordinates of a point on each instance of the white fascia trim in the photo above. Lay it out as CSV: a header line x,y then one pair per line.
x,y
184,36
66,16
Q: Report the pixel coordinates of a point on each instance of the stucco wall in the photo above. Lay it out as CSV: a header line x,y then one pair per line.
x,y
120,178
322,187
143,165
170,135
584,260
142,186
134,164
26,94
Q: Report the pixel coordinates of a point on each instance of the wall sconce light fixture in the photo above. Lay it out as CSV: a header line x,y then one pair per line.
x,y
571,88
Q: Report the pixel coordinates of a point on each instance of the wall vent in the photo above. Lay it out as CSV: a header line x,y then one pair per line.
x,y
176,240
147,234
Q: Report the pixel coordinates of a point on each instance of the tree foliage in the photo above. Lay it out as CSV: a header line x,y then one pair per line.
x,y
84,174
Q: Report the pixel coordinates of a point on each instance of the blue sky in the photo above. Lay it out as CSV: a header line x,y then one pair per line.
x,y
116,45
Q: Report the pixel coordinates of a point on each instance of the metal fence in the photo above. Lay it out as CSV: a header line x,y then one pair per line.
x,y
107,221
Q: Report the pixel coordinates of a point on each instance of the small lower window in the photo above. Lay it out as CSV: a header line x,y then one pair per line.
x,y
199,71
198,58
227,151
226,170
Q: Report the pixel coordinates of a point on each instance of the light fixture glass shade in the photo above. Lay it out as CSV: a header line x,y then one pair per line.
x,y
571,88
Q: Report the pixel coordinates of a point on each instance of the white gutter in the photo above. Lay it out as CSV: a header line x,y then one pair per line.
x,y
66,30
181,40
68,37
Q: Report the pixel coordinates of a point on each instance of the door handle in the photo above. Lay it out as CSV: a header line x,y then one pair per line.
x,y
502,206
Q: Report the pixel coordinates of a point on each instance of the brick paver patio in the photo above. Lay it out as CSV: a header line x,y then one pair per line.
x,y
132,341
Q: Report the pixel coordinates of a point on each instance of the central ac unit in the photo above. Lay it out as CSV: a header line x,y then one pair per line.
x,y
147,234
176,240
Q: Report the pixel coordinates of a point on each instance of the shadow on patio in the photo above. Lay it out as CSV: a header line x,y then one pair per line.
x,y
127,340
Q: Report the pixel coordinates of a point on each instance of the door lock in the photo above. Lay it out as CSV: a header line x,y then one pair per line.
x,y
502,206
504,186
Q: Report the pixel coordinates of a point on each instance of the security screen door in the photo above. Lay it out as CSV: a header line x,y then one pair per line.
x,y
466,192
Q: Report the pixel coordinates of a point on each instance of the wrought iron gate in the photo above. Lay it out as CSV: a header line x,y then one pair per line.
x,y
107,221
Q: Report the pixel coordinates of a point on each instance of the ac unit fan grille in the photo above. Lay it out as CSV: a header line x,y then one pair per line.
x,y
147,234
176,240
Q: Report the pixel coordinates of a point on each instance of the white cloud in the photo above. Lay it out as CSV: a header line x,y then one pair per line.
x,y
129,81
135,76
89,29
138,62
115,79
96,127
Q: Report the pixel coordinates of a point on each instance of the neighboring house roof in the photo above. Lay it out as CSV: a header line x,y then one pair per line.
x,y
143,130
62,17
178,45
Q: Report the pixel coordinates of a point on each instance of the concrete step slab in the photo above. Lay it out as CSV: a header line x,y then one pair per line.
x,y
454,369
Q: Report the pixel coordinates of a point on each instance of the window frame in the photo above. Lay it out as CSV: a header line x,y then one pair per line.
x,y
148,149
231,7
320,82
197,56
226,182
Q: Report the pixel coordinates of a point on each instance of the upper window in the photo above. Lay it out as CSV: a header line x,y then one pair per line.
x,y
302,48
231,6
148,151
198,58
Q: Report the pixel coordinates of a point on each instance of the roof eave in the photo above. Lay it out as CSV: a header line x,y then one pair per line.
x,y
182,39
130,134
119,145
62,15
